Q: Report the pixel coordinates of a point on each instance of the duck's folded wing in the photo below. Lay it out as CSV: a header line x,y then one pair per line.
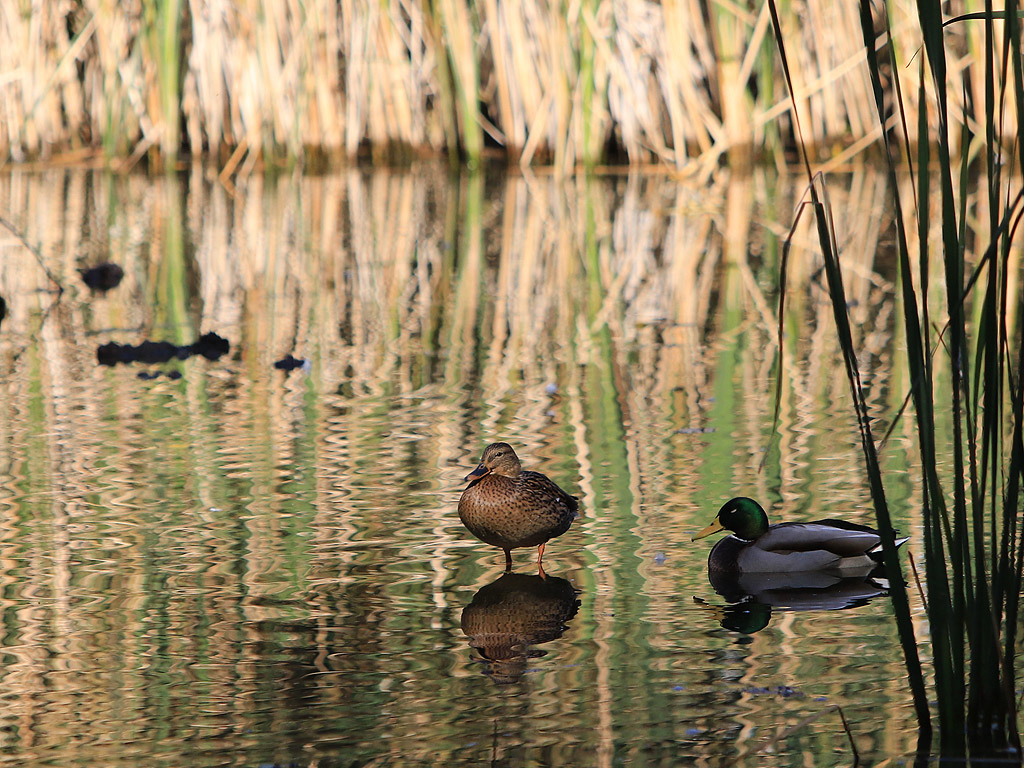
x,y
753,559
806,537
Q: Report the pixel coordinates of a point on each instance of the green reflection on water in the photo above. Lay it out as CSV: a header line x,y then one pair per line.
x,y
249,565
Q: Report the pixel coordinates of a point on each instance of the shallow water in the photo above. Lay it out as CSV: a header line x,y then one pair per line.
x,y
217,562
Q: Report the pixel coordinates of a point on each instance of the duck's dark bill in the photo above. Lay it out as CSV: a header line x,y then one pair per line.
x,y
713,528
477,473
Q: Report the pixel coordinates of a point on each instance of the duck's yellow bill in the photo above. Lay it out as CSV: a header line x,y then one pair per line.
x,y
713,528
716,611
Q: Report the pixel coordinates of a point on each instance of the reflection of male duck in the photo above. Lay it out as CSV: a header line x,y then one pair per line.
x,y
510,615
752,597
807,591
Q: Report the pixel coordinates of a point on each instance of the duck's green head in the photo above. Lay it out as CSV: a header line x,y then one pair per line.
x,y
743,516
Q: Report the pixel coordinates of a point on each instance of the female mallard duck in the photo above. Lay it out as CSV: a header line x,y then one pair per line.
x,y
755,547
508,507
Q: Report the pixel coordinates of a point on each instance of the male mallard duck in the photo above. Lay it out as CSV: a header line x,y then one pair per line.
x,y
508,507
755,547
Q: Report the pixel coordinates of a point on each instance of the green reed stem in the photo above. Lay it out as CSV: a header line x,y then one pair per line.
x,y
165,54
968,558
458,35
826,237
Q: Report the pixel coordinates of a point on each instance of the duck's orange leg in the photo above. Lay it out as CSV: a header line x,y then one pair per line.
x,y
540,559
508,560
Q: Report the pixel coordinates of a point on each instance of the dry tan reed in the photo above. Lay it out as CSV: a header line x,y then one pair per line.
x,y
657,82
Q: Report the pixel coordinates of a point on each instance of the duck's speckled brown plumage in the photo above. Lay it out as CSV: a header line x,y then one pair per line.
x,y
508,507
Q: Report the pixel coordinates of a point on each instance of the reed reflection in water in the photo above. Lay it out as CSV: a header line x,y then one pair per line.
x,y
247,564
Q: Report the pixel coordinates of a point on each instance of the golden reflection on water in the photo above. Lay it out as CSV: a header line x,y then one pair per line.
x,y
251,565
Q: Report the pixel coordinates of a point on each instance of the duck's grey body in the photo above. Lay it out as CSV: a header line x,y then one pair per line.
x,y
836,546
825,545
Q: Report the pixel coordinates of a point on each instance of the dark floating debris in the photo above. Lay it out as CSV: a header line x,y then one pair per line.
x,y
291,363
149,376
209,345
3,310
103,276
113,353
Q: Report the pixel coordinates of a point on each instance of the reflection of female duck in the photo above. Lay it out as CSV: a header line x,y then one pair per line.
x,y
835,546
507,507
515,612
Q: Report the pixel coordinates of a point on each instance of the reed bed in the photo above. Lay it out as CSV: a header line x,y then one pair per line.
x,y
578,84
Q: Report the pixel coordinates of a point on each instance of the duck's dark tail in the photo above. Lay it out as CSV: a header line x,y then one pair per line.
x,y
875,553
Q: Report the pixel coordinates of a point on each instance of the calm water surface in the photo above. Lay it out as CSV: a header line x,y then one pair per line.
x,y
216,562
